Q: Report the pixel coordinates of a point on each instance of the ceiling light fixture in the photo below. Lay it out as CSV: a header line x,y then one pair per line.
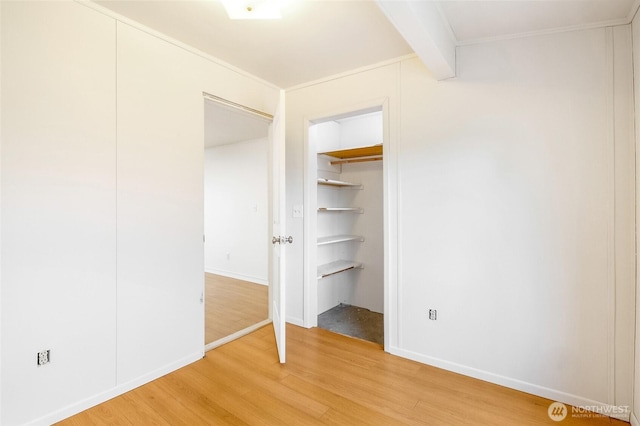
x,y
253,9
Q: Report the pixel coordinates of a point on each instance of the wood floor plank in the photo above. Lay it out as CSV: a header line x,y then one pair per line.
x,y
341,407
328,379
230,370
202,396
232,305
136,412
161,399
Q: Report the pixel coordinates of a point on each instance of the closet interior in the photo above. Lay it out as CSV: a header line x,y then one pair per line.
x,y
349,224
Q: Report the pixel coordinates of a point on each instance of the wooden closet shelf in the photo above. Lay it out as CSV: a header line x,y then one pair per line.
x,y
356,155
338,239
337,267
339,183
365,151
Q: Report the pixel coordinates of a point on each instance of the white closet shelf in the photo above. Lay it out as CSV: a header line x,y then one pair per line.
x,y
337,267
341,209
338,239
339,183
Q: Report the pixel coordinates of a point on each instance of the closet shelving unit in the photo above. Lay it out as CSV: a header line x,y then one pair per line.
x,y
346,156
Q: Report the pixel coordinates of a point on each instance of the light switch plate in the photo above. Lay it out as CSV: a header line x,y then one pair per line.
x,y
298,211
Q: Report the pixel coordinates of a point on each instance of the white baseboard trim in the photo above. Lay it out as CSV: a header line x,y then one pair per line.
x,y
85,404
236,335
555,395
634,420
237,276
296,321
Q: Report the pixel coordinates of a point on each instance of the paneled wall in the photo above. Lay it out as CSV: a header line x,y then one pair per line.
x,y
58,207
102,204
515,210
520,233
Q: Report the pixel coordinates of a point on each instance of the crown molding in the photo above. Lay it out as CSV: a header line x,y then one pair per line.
x,y
633,11
602,24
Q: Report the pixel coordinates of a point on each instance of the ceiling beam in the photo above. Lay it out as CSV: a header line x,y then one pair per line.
x,y
423,27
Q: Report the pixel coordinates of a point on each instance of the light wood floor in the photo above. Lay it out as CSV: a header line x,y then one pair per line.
x,y
328,379
232,305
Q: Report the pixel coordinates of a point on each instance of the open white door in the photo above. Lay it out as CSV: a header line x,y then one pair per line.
x,y
279,239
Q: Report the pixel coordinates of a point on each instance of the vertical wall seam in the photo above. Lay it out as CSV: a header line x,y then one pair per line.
x,y
0,213
610,111
116,197
397,128
635,204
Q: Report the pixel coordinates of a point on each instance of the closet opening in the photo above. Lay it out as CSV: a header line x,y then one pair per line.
x,y
345,276
236,210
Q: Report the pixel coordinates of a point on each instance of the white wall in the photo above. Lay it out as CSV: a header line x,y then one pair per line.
x,y
102,198
510,216
236,210
514,199
367,290
58,207
160,205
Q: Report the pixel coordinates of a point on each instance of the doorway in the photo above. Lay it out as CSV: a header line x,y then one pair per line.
x,y
346,229
236,206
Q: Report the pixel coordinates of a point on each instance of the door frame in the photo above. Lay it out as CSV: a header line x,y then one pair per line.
x,y
390,215
242,109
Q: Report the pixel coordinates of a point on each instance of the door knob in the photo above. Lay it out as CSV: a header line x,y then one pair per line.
x,y
282,240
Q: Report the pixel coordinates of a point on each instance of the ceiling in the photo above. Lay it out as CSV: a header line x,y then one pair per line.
x,y
313,40
473,21
225,125
319,38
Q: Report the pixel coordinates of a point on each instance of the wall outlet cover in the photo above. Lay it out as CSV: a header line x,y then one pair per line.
x,y
44,357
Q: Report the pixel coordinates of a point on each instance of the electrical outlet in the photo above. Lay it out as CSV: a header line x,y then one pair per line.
x,y
43,357
433,314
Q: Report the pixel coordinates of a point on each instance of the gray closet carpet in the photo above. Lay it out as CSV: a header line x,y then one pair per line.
x,y
353,321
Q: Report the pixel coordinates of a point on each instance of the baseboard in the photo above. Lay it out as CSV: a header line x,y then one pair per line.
x,y
552,394
85,404
634,420
237,276
296,321
236,335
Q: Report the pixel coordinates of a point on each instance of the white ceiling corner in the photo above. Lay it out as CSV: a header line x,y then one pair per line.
x,y
480,21
313,40
321,38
